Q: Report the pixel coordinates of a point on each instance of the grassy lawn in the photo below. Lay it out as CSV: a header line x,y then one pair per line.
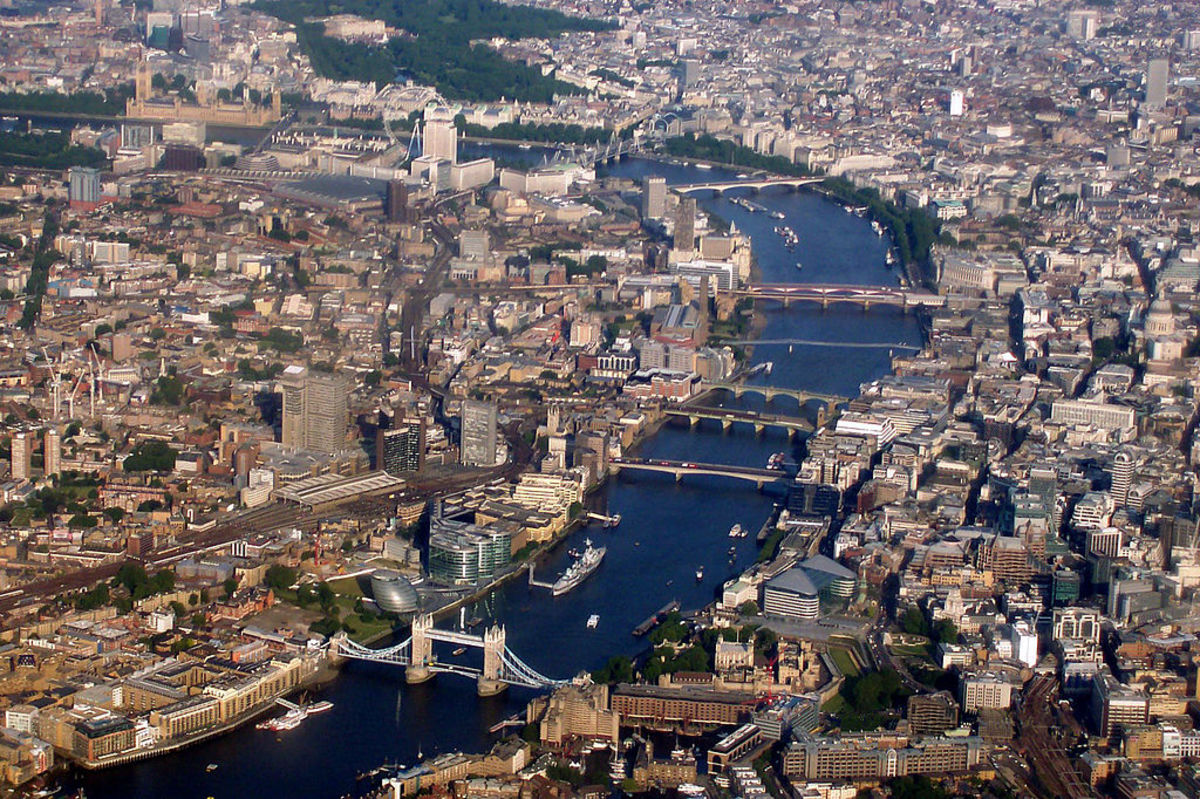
x,y
910,650
359,629
844,661
346,586
834,705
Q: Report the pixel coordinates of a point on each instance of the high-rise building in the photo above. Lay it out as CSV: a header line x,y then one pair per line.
x,y
479,425
1122,478
1157,75
957,99
22,455
654,197
84,190
315,409
396,205
52,452
440,136
685,225
400,448
1083,23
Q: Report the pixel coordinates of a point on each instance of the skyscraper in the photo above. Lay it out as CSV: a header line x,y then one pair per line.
x,y
1122,478
440,137
654,197
396,205
22,455
685,225
401,448
479,423
52,452
84,190
315,409
1157,75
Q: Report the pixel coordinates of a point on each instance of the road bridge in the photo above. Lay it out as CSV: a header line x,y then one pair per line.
x,y
678,469
758,184
727,416
501,666
827,293
771,392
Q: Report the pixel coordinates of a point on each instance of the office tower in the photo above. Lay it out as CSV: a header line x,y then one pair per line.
x,y
473,244
685,225
654,197
440,137
956,102
315,409
52,452
1122,478
479,422
22,455
84,187
396,203
690,71
1157,75
400,448
1082,24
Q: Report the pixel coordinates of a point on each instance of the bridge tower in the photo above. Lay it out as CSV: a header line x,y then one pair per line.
x,y
489,683
421,650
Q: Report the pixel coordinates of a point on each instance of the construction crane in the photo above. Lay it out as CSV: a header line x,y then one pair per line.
x,y
55,387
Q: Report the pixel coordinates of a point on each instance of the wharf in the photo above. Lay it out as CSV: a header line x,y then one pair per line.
x,y
656,618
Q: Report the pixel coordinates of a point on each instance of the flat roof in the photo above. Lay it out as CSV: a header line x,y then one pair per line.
x,y
335,487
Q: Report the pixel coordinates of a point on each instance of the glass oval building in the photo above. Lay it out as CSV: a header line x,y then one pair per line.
x,y
393,592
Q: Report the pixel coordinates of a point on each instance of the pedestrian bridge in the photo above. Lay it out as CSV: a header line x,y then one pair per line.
x,y
828,293
678,469
501,666
722,186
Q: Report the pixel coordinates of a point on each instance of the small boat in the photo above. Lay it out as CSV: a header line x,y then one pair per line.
x,y
736,531
524,146
460,651
699,573
703,166
613,521
474,621
777,215
593,621
799,266
319,707
211,767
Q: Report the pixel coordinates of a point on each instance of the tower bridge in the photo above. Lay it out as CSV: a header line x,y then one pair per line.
x,y
501,666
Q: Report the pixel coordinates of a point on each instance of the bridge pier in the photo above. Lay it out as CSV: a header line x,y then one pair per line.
x,y
693,421
725,425
489,682
824,303
417,670
759,428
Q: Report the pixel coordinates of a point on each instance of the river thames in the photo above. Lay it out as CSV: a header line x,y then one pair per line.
x,y
668,530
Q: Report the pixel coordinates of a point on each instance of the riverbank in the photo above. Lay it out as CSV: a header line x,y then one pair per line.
x,y
325,672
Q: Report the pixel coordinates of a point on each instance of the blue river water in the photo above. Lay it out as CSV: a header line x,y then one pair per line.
x,y
668,530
